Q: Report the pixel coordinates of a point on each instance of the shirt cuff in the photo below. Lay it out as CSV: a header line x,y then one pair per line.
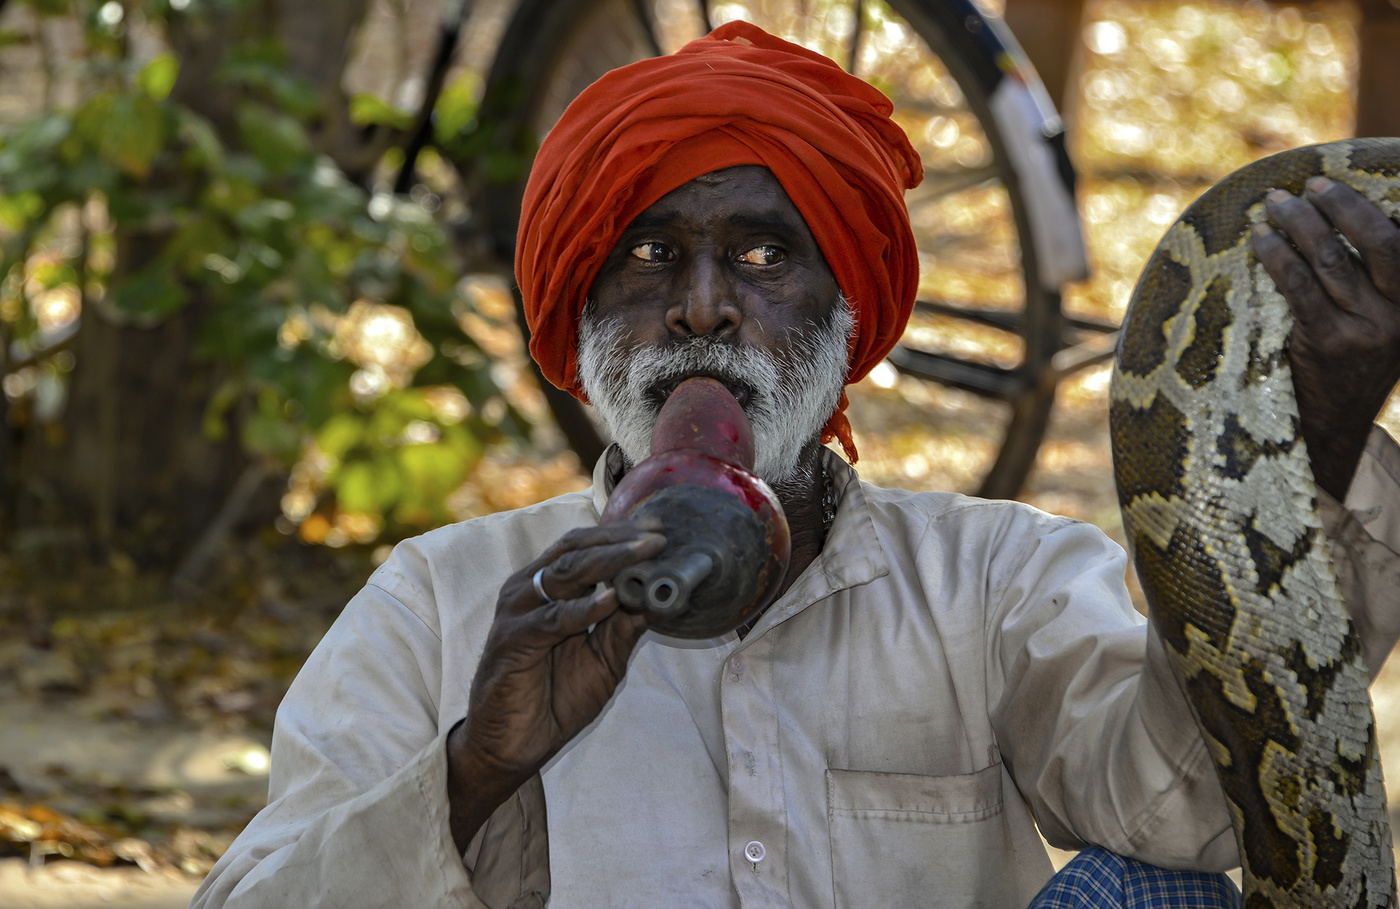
x,y
508,859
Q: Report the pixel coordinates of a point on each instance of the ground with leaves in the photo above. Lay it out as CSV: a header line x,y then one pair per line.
x,y
137,723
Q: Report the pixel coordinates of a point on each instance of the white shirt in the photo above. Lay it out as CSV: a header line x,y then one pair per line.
x,y
944,669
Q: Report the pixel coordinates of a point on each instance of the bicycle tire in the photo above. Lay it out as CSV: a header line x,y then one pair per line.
x,y
551,50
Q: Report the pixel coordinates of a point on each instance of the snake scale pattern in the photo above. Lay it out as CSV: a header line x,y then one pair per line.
x,y
1221,514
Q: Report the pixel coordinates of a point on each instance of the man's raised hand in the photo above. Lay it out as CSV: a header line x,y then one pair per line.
x,y
1345,347
548,667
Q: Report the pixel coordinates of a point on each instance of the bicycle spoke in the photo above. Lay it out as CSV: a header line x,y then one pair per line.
x,y
995,318
991,381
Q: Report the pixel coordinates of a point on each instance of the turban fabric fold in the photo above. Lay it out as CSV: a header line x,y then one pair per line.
x,y
737,96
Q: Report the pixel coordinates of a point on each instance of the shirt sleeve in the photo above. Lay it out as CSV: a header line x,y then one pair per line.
x,y
357,812
1098,738
1365,539
1091,721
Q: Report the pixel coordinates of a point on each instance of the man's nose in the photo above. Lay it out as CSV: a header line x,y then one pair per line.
x,y
705,300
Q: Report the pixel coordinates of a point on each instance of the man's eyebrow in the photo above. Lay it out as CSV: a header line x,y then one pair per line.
x,y
646,221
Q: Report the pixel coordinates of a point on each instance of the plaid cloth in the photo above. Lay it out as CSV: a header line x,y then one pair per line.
x,y
1097,878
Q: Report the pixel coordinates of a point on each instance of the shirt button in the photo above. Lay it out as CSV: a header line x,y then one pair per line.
x,y
755,852
737,664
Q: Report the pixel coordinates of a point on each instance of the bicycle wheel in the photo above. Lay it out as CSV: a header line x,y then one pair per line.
x,y
988,318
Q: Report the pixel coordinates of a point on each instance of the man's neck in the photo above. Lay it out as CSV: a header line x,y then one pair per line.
x,y
806,514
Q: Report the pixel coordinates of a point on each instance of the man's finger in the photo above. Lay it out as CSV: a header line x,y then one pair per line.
x,y
1370,230
1292,275
565,618
1336,268
588,537
571,573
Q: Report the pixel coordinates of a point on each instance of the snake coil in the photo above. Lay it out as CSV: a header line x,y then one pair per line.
x,y
1221,514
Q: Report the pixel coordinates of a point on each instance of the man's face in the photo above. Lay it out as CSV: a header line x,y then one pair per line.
x,y
720,277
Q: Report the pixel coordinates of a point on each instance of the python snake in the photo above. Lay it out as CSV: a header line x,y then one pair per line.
x,y
1221,514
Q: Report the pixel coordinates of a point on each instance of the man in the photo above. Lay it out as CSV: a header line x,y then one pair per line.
x,y
484,726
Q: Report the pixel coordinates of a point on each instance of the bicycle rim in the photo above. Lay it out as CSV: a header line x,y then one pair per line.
x,y
986,328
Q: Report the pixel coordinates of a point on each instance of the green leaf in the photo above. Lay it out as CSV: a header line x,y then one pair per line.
x,y
54,273
93,174
215,422
279,142
230,191
456,107
157,77
340,434
27,156
368,486
434,470
263,67
134,134
272,435
150,295
18,210
192,243
52,7
503,166
126,130
204,148
371,110
264,215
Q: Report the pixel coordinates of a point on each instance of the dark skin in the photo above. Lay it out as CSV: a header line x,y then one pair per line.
x,y
1345,347
729,254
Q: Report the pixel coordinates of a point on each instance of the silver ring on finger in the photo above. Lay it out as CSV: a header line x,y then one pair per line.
x,y
538,581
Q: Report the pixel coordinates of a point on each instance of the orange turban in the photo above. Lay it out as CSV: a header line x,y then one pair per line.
x,y
737,96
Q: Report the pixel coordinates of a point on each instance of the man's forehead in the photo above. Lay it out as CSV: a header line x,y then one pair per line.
x,y
725,174
744,192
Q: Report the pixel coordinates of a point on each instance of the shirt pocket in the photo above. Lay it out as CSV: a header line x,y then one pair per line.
x,y
903,839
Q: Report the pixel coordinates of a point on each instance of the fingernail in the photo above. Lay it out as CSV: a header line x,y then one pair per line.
x,y
1263,229
1319,185
648,541
1279,195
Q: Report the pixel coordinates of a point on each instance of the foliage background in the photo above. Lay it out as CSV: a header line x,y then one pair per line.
x,y
328,326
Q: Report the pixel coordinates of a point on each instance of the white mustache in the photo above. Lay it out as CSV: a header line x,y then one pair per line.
x,y
788,400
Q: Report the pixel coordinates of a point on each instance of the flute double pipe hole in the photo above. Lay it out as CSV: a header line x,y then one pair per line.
x,y
664,586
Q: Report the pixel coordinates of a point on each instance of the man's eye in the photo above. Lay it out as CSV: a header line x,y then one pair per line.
x,y
763,255
651,252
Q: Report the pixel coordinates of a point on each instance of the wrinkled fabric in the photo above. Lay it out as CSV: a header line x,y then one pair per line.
x,y
737,96
945,669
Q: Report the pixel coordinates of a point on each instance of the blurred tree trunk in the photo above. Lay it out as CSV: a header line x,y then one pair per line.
x,y
1378,88
129,464
130,467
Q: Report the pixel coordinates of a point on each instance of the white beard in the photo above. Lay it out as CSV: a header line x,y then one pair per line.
x,y
790,399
